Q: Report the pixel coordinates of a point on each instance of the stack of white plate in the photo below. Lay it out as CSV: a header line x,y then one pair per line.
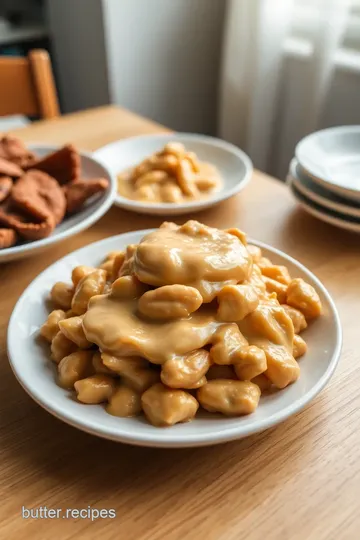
x,y
324,176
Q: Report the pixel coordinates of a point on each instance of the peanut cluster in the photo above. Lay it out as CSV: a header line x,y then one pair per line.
x,y
167,334
172,175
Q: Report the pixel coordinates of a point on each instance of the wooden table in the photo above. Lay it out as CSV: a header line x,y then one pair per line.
x,y
300,480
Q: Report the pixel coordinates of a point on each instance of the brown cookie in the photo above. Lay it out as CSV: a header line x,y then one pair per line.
x,y
63,165
31,230
82,189
7,168
14,150
39,194
8,238
5,187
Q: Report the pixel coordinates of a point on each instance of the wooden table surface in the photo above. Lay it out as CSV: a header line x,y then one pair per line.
x,y
300,480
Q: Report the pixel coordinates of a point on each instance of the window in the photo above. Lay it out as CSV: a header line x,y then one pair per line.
x,y
305,21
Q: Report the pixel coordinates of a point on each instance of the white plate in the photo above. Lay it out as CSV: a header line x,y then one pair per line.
x,y
320,195
93,210
233,164
30,362
332,158
329,216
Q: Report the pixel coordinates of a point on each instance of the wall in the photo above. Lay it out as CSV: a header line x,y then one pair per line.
x,y
158,57
80,63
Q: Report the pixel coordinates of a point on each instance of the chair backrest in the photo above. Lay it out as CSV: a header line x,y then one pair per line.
x,y
27,86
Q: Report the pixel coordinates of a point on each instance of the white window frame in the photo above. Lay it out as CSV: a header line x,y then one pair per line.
x,y
299,43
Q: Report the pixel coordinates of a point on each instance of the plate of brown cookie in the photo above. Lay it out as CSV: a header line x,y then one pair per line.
x,y
47,194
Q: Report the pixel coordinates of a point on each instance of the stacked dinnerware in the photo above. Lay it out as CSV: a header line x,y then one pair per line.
x,y
324,176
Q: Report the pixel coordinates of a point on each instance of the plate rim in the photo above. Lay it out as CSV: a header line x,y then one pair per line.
x,y
354,194
171,441
322,215
12,253
317,198
166,208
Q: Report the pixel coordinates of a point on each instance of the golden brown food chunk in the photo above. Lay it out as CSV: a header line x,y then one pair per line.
x,y
236,302
206,183
297,318
193,255
124,402
39,195
299,346
14,150
10,169
74,367
61,346
108,267
216,371
79,272
175,148
227,343
61,294
282,367
80,190
250,362
95,389
64,164
99,366
169,302
8,238
126,287
72,328
271,329
151,177
303,296
170,192
185,178
146,193
118,261
112,255
262,382
239,234
27,227
232,398
6,184
112,323
89,286
277,272
276,287
186,371
165,406
134,370
51,327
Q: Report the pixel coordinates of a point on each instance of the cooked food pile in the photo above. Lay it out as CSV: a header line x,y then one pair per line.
x,y
190,317
172,175
37,194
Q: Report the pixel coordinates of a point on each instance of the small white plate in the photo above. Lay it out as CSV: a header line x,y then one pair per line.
x,y
332,158
233,164
34,370
329,216
320,195
93,210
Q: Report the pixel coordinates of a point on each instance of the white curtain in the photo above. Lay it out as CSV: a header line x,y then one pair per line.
x,y
253,56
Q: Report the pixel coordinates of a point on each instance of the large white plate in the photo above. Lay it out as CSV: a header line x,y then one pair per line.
x,y
329,216
36,373
90,213
332,158
319,194
233,164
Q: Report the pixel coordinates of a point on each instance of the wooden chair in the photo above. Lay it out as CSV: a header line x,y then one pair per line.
x,y
27,86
